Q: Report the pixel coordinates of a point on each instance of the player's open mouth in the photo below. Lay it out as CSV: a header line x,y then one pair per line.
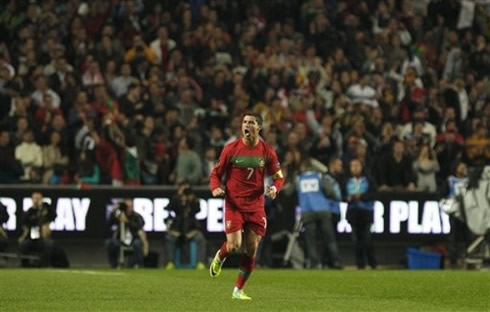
x,y
247,132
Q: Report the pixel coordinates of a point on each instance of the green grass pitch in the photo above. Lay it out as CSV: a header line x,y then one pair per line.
x,y
271,290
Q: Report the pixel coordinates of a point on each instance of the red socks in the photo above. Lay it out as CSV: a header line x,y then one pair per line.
x,y
247,264
223,252
246,267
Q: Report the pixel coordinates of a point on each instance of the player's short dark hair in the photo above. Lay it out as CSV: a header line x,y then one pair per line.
x,y
258,117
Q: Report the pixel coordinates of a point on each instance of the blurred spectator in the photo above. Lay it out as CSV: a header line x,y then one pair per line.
x,y
425,167
388,137
156,165
139,51
11,169
121,83
359,132
189,166
131,163
216,138
41,89
477,147
427,128
162,45
58,71
30,155
327,142
367,161
131,105
449,148
362,92
87,169
183,226
186,105
36,235
104,103
92,75
209,162
413,61
359,190
395,170
129,232
54,160
464,101
108,150
108,50
452,68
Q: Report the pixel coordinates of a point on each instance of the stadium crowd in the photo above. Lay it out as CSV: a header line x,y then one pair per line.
x,y
130,92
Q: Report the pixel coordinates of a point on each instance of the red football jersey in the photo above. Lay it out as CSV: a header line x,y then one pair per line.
x,y
244,168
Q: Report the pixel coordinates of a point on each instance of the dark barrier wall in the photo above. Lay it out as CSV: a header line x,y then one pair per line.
x,y
83,213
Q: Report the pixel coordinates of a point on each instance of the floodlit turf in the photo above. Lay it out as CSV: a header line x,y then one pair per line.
x,y
271,290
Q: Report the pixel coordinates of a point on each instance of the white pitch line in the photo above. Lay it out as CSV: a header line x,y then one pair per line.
x,y
87,272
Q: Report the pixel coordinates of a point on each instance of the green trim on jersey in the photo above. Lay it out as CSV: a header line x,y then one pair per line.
x,y
249,161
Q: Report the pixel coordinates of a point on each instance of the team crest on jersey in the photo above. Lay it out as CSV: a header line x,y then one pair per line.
x,y
228,224
261,162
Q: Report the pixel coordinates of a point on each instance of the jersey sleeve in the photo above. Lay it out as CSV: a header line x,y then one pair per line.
x,y
220,169
274,169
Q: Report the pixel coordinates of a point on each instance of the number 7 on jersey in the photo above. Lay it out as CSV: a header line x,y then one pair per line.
x,y
251,171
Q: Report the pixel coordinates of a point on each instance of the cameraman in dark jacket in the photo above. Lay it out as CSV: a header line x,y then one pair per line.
x,y
129,233
4,217
184,225
36,235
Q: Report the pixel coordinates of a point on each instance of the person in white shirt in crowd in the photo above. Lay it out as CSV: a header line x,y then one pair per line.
x,y
42,87
29,153
121,83
162,45
464,100
92,75
7,73
420,116
362,92
414,61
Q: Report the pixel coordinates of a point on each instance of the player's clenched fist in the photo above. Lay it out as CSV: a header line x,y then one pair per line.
x,y
218,192
271,192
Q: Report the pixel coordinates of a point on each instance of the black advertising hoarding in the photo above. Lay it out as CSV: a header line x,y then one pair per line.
x,y
83,213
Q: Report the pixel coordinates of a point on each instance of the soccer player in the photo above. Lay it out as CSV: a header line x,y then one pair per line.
x,y
244,162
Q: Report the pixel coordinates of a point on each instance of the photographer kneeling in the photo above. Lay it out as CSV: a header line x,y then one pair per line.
x,y
183,226
36,235
129,233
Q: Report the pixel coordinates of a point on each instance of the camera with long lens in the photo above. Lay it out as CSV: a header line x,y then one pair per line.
x,y
123,207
